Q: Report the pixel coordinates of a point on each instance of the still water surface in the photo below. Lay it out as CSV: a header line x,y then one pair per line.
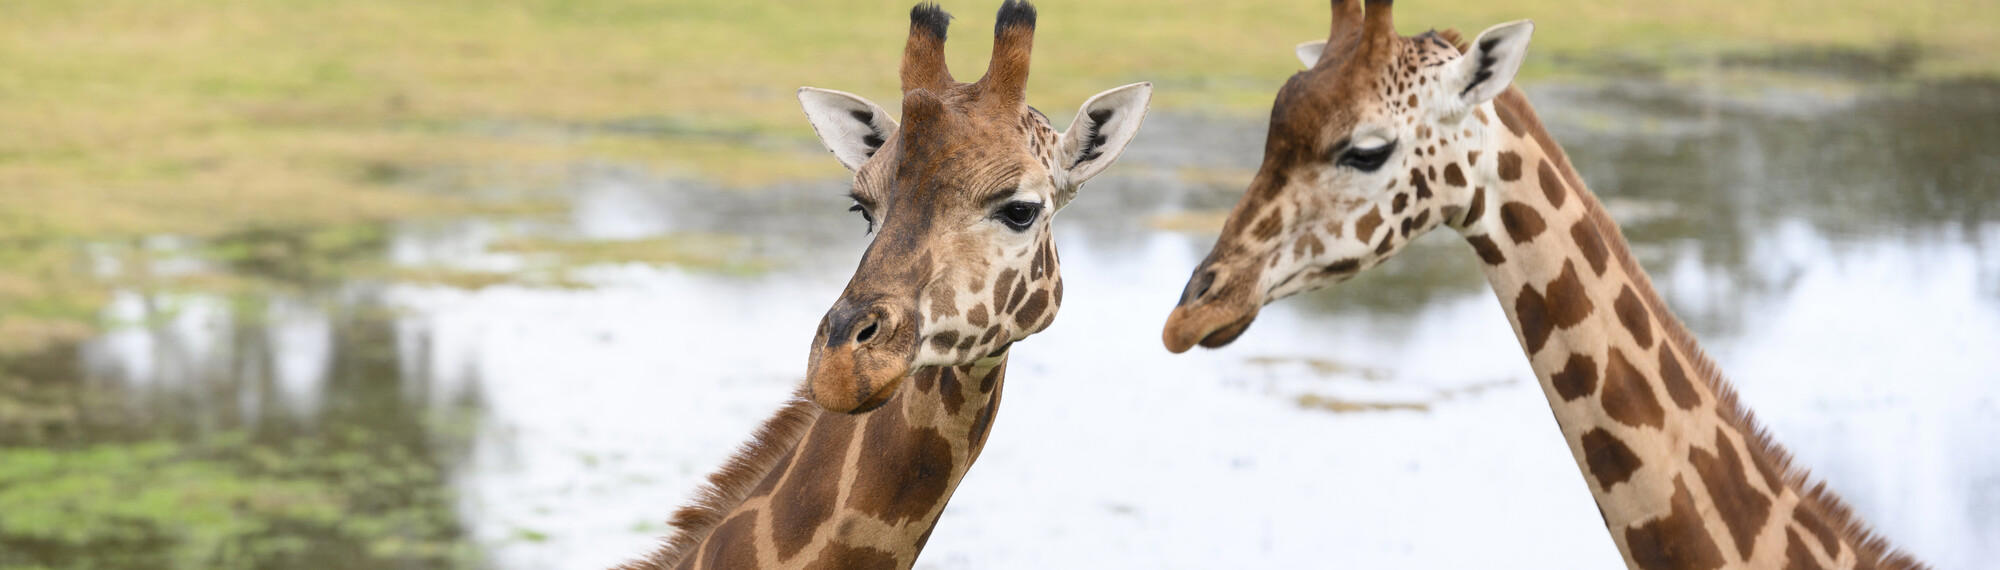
x,y
1839,255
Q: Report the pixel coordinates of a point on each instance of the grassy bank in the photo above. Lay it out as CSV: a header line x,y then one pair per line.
x,y
195,116
127,118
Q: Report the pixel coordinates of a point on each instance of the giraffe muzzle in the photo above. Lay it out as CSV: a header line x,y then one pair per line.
x,y
1215,308
860,357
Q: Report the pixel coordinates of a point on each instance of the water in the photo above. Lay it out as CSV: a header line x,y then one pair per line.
x,y
1838,254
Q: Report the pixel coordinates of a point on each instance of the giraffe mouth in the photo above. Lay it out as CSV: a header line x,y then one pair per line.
x,y
1210,326
855,380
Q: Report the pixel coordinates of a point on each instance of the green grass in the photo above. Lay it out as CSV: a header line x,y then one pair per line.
x,y
140,116
224,502
211,118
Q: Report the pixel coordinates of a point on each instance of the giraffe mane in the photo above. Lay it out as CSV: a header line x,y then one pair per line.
x,y
1814,495
729,485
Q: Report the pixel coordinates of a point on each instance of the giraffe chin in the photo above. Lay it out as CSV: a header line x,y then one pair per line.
x,y
1208,326
843,385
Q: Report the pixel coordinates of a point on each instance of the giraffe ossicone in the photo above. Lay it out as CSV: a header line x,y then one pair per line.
x,y
906,370
1387,137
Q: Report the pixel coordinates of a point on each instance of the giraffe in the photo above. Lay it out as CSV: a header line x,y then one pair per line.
x,y
1386,137
854,471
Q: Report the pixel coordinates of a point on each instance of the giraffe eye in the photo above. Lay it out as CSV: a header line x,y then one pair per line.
x,y
1018,215
1367,159
864,215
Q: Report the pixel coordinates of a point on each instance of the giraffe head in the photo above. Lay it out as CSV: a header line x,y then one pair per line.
x,y
959,196
1374,144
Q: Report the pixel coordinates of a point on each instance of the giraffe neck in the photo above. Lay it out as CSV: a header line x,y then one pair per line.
x,y
1681,473
842,491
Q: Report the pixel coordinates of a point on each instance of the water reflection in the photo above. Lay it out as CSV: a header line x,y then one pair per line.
x,y
218,432
1835,254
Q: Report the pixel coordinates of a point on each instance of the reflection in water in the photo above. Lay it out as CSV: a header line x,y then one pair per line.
x,y
1838,261
214,432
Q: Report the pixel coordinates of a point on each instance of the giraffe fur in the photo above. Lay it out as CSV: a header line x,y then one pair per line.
x,y
1681,472
906,369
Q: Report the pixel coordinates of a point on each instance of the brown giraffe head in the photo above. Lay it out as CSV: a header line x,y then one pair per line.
x,y
1363,155
959,196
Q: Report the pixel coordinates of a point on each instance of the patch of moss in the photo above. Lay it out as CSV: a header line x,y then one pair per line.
x,y
225,502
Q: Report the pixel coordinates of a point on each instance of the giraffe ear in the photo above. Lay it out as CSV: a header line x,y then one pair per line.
x,y
1105,124
1483,73
1309,52
852,127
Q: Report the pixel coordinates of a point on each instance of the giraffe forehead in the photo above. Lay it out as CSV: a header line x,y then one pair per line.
x,y
949,159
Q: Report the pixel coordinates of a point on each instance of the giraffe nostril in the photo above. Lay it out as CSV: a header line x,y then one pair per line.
x,y
866,333
1198,287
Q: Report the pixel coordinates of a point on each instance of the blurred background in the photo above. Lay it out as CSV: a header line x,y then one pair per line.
x,y
384,284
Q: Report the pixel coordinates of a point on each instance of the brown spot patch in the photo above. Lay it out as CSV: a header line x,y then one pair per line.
x,y
1627,397
907,469
1510,166
1044,262
1522,222
1388,239
1477,209
1584,233
1364,228
1031,311
1797,557
951,390
1742,508
1422,183
1308,247
1000,290
1577,379
983,423
732,545
977,316
1267,227
1454,176
992,379
1609,459
1632,313
1568,301
1770,478
1552,184
1472,158
1341,267
1402,201
943,303
1020,292
840,556
1488,252
965,346
770,482
1676,381
1507,118
806,500
1533,315
1677,541
1828,541
944,341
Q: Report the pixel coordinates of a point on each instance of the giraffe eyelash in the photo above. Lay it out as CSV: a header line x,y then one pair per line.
x,y
1367,159
857,207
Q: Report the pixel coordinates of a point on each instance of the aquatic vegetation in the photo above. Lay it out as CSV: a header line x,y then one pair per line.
x,y
226,501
